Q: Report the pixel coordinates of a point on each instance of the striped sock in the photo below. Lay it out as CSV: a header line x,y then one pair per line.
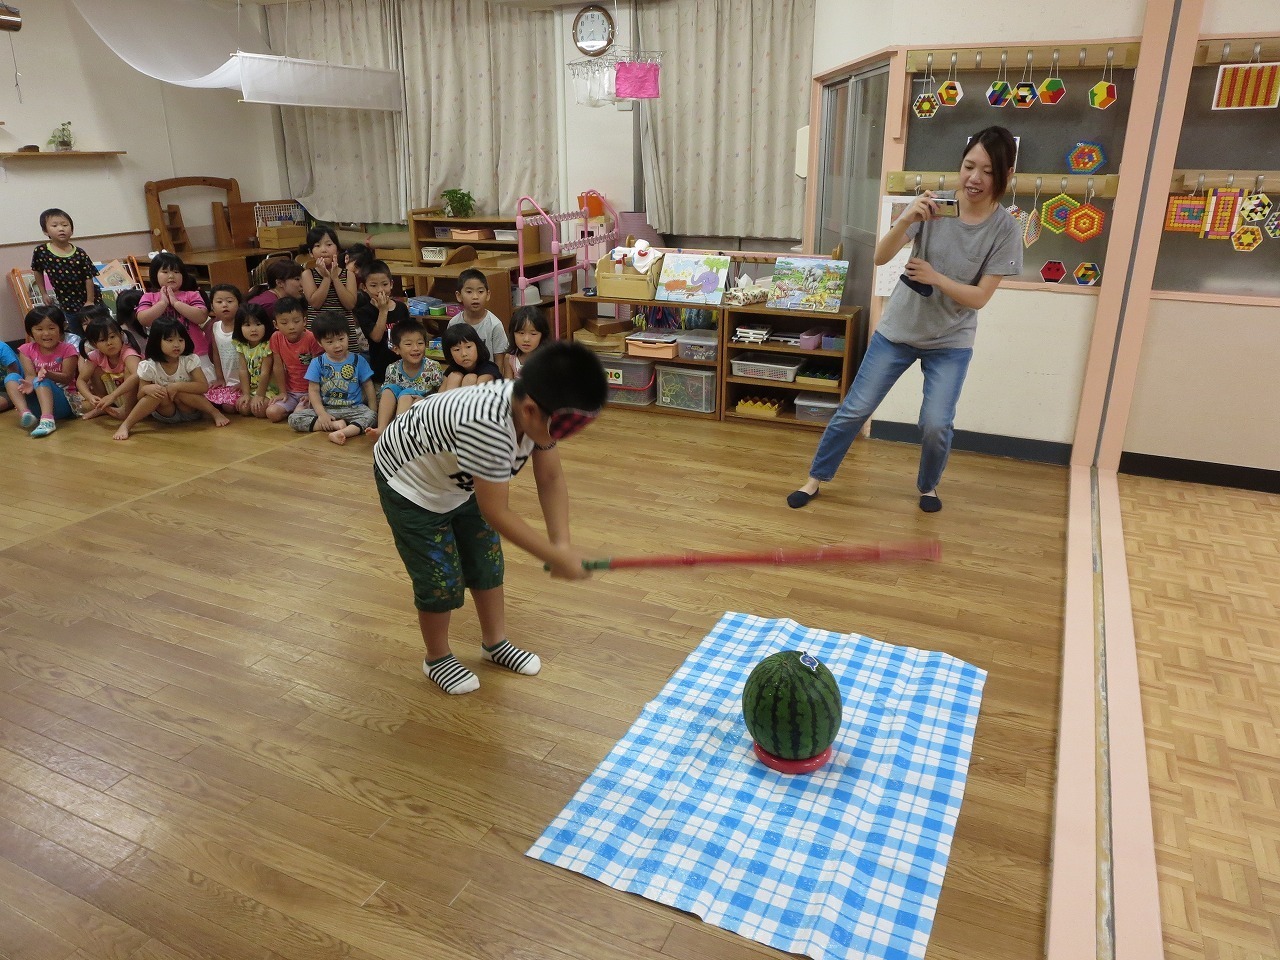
x,y
450,675
507,654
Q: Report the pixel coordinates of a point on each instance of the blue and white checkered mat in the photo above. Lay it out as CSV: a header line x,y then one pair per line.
x,y
845,862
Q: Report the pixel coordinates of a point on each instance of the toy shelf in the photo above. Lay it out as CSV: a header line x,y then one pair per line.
x,y
730,388
734,387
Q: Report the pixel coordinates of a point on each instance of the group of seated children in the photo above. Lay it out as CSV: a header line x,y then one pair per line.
x,y
305,349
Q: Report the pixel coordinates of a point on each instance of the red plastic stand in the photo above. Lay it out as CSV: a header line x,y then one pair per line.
x,y
791,766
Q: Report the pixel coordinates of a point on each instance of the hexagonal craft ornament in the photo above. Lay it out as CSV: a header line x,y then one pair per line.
x,y
1255,208
1024,95
1087,274
1247,239
1055,212
925,106
1085,222
999,93
1052,89
1271,226
1053,271
950,93
1102,95
1086,157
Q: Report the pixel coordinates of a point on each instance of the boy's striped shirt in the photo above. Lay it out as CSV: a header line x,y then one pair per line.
x,y
429,453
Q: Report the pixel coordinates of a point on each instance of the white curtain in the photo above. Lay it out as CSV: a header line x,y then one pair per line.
x,y
480,82
344,165
718,146
190,43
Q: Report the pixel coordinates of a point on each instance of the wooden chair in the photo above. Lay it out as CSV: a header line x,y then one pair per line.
x,y
168,232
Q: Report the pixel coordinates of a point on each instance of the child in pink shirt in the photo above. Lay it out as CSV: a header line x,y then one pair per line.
x,y
49,367
108,378
169,299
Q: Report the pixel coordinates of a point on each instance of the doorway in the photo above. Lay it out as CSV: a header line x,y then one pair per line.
x,y
853,122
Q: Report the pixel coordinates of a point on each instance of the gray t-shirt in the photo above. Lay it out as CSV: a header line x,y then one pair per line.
x,y
965,252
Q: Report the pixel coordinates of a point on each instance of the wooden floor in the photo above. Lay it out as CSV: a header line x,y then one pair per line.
x,y
1204,568
216,740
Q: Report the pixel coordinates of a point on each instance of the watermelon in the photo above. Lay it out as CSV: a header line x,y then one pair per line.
x,y
792,705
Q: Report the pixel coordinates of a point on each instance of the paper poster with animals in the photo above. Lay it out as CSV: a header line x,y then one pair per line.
x,y
693,278
808,283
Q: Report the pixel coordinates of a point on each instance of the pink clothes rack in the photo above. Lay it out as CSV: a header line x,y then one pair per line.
x,y
578,252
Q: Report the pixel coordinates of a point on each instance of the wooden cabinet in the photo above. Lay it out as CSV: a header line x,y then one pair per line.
x,y
737,386
582,311
434,236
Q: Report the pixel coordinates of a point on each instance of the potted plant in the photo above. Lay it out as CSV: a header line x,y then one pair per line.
x,y
61,138
458,203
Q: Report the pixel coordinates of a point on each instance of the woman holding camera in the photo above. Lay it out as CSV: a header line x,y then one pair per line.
x,y
965,243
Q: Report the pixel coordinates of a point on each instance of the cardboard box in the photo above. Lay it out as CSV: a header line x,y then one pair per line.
x,y
282,237
471,234
629,284
603,326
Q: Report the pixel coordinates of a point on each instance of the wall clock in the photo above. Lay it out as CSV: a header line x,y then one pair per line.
x,y
593,30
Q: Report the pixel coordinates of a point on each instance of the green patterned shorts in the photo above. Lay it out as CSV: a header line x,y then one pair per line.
x,y
445,553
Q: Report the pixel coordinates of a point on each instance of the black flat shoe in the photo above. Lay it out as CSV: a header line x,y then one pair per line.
x,y
798,499
930,503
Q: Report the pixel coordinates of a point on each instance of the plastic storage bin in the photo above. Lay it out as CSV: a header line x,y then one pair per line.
x,y
697,344
658,345
764,366
815,407
631,382
686,389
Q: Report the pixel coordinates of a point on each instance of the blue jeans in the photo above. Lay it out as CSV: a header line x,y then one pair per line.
x,y
884,362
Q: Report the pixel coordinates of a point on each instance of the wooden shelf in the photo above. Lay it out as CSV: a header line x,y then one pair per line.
x,y
670,411
731,388
786,418
1100,185
782,384
61,154
781,348
1185,181
1071,56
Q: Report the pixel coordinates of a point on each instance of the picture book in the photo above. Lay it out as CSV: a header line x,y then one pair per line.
x,y
693,278
115,275
808,283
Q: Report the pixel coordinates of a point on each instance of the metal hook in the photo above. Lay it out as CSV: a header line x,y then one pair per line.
x,y
954,56
1257,184
977,60
1226,51
1231,179
942,182
1199,183
1088,191
917,183
1062,185
1039,183
1084,52
1013,185
1257,50
1054,68
1004,58
928,64
1111,53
